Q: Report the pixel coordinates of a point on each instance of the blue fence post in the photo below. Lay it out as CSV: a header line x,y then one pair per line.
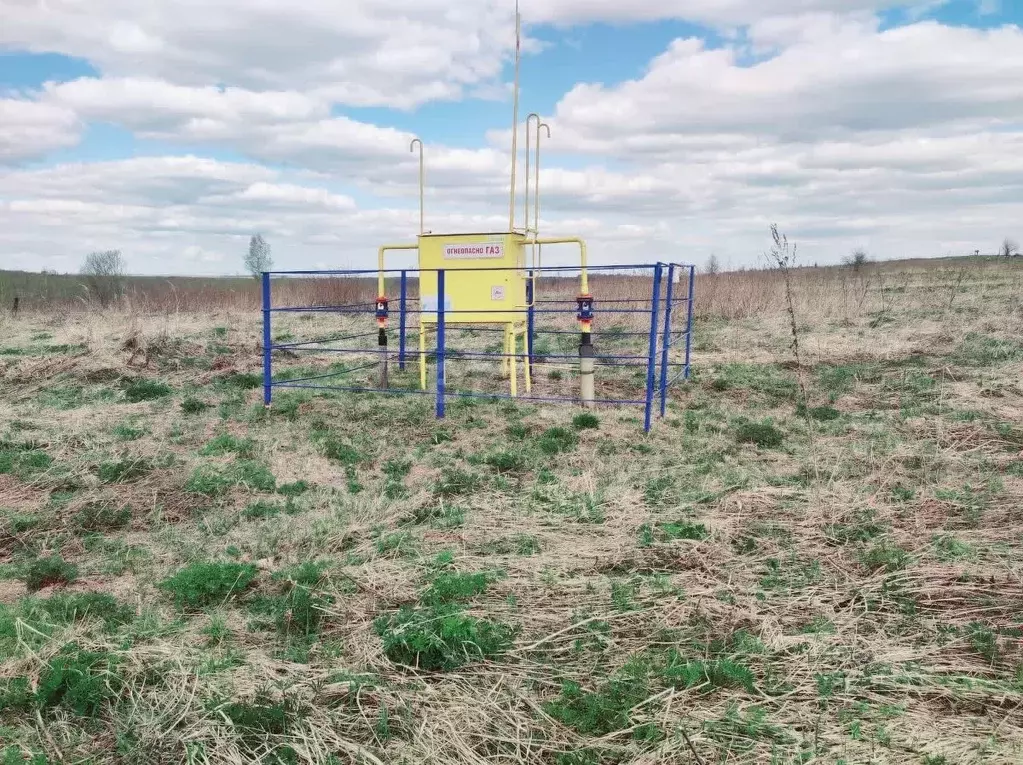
x,y
666,337
267,340
441,350
401,320
530,320
689,318
655,310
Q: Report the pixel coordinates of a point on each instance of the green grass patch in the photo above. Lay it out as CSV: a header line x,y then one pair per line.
x,y
297,607
123,470
649,533
241,381
449,586
204,584
24,460
192,405
262,509
764,434
295,489
128,431
441,637
139,390
225,443
52,569
769,380
78,680
217,480
70,608
556,440
455,481
586,421
819,413
885,557
102,516
979,350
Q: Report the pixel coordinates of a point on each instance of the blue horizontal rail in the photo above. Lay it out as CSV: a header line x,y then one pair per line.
x,y
450,394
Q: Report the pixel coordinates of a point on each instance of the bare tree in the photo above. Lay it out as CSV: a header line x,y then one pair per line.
x,y
857,259
1009,248
258,258
713,267
104,275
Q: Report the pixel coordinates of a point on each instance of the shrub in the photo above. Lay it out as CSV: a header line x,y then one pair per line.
x,y
42,572
204,584
145,390
441,637
764,435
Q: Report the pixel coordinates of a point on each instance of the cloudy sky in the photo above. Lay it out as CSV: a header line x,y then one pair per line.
x,y
174,129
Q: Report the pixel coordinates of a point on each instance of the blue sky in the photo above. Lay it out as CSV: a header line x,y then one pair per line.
x,y
678,125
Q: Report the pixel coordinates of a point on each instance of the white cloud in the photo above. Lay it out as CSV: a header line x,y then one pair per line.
x,y
29,129
363,52
853,79
717,12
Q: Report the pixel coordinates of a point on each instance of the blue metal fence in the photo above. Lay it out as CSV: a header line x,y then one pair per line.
x,y
649,311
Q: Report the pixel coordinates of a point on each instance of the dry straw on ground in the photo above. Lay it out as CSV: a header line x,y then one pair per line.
x,y
857,602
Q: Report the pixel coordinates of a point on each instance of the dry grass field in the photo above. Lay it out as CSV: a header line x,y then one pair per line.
x,y
803,562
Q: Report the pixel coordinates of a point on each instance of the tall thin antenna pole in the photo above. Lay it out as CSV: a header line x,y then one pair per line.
x,y
515,118
422,182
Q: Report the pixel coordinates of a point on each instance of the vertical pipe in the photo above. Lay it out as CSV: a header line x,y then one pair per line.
x,y
422,184
267,358
689,318
655,309
666,337
422,352
530,326
441,350
512,368
402,308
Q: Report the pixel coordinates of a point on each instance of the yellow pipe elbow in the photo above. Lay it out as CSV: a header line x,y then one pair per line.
x,y
584,284
380,262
